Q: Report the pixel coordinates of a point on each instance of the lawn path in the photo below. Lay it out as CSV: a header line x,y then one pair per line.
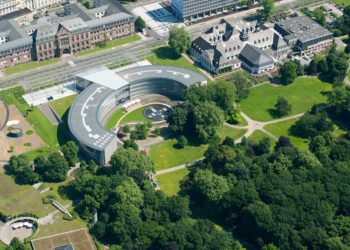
x,y
251,128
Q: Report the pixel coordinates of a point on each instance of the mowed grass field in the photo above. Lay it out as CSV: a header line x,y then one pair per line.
x,y
302,95
166,154
170,183
283,128
167,56
112,121
15,199
258,135
342,2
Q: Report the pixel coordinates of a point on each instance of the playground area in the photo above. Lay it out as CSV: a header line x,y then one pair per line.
x,y
18,136
77,240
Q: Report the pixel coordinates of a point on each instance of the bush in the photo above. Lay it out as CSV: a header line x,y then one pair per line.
x,y
29,132
67,217
182,141
126,129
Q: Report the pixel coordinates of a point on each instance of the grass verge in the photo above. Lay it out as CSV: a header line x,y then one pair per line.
x,y
29,65
111,44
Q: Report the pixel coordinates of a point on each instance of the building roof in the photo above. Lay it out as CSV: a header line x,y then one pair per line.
x,y
254,56
74,24
16,14
83,115
303,28
104,77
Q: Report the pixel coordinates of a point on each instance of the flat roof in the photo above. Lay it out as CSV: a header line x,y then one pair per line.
x,y
104,77
304,28
83,120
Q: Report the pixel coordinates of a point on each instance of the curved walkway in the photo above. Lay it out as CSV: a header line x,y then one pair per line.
x,y
251,128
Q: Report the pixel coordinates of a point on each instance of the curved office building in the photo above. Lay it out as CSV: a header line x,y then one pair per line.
x,y
104,90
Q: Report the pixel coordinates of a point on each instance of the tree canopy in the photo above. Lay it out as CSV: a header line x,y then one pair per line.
x,y
179,40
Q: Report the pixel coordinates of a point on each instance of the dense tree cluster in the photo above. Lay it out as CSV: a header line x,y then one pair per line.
x,y
204,110
335,65
50,169
294,198
132,215
16,244
267,9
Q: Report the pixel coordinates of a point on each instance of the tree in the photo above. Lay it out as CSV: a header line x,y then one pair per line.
x,y
283,142
142,131
182,141
178,119
128,192
126,128
209,185
267,10
140,24
16,244
131,144
282,107
130,162
207,119
22,170
320,16
313,67
56,168
177,207
347,49
288,72
179,40
70,152
156,131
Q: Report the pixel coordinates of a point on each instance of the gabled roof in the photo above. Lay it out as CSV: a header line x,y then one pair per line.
x,y
254,56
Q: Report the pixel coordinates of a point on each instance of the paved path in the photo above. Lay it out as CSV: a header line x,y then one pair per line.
x,y
251,128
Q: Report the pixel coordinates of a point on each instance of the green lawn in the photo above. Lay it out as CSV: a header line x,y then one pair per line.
x,y
60,226
15,199
258,135
166,56
231,132
170,183
283,128
302,95
135,115
29,65
62,105
110,44
112,121
342,2
166,155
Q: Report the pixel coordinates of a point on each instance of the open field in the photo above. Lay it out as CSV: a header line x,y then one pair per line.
x,y
110,44
15,199
29,65
258,135
283,128
112,121
302,95
170,183
166,154
62,105
166,56
342,2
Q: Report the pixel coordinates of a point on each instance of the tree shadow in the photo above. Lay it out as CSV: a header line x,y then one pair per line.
x,y
166,53
274,113
63,134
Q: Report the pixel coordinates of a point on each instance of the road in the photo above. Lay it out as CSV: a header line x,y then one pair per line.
x,y
66,69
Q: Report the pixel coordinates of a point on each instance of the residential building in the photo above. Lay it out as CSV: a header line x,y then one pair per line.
x,y
219,48
304,35
191,10
52,36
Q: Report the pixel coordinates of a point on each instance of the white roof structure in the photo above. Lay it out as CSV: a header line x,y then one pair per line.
x,y
104,77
